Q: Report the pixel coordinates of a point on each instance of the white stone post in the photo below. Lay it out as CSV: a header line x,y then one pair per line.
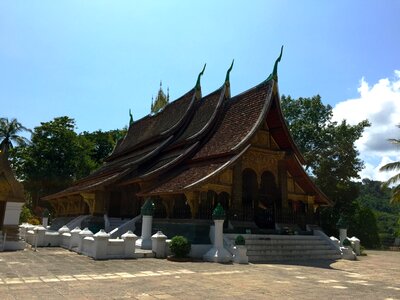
x,y
147,212
64,235
40,232
129,244
240,256
100,244
342,235
218,253
74,241
355,242
146,231
45,218
84,233
45,222
158,244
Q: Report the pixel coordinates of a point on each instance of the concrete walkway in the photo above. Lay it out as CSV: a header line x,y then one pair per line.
x,y
55,273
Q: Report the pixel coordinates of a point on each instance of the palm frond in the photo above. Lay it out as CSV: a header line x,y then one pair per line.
x,y
20,140
393,166
394,141
395,195
392,180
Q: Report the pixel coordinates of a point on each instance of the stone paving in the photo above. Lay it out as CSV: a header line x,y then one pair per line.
x,y
55,273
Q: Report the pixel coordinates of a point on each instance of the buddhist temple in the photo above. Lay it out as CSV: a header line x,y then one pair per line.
x,y
201,150
11,200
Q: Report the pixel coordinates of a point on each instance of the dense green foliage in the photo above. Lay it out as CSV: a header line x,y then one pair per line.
x,y
332,160
394,180
103,143
387,214
180,246
57,155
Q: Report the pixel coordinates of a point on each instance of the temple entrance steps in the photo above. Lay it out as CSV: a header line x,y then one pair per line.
x,y
117,222
268,248
119,226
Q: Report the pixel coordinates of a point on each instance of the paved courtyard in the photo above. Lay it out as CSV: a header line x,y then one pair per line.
x,y
55,273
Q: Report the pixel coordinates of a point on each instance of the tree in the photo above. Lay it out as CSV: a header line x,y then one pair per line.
x,y
10,132
103,143
55,158
329,150
393,166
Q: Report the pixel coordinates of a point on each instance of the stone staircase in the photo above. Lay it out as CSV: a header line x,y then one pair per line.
x,y
268,248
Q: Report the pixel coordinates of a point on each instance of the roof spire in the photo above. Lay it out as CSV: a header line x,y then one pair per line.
x,y
227,83
274,74
130,118
198,86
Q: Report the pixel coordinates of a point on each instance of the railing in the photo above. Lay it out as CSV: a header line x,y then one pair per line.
x,y
288,216
129,225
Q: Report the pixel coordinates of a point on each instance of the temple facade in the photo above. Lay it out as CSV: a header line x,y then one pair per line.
x,y
11,200
199,151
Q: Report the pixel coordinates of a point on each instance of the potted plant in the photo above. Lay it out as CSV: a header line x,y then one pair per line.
x,y
240,249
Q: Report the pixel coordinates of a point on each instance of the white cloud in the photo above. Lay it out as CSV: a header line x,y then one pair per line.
x,y
380,104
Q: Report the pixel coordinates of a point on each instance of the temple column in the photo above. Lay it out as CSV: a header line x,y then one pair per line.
x,y
310,203
169,205
237,186
193,200
282,179
89,199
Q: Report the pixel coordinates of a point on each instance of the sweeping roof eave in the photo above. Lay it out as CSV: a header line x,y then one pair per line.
x,y
193,176
304,180
153,127
88,186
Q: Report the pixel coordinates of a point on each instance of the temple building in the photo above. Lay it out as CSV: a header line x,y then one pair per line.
x,y
201,150
11,200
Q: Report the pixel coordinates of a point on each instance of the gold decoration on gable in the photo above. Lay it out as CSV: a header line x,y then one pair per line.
x,y
261,160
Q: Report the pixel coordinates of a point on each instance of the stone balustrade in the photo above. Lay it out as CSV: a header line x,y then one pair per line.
x,y
98,246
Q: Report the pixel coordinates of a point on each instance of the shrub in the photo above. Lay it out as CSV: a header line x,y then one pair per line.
x,y
240,240
180,246
25,215
34,221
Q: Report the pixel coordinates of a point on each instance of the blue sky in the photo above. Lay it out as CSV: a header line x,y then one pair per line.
x,y
93,60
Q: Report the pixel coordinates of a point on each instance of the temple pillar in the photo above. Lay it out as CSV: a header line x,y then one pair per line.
x,y
282,179
169,202
89,199
99,203
310,203
193,200
237,185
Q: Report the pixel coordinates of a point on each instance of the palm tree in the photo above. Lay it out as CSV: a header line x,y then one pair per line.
x,y
9,133
393,166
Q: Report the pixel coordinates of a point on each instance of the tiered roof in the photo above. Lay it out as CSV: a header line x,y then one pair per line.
x,y
194,138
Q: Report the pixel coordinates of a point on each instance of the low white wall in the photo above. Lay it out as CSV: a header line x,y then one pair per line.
x,y
98,246
116,248
87,246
